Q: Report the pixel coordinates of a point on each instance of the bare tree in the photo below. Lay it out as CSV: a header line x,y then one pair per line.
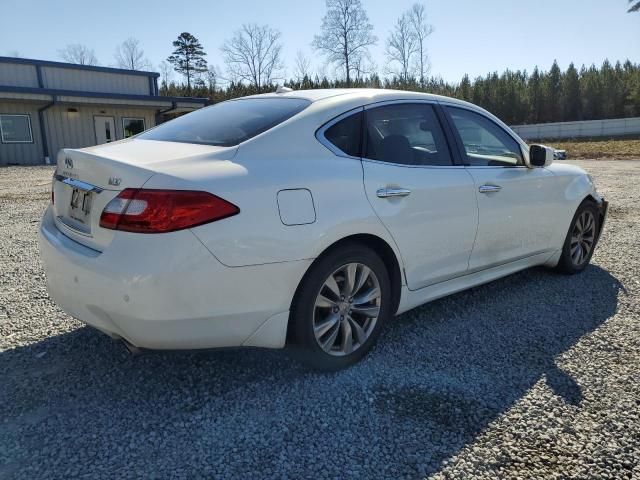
x,y
302,66
78,53
254,54
421,30
166,73
364,65
130,55
321,71
345,35
213,78
634,6
402,47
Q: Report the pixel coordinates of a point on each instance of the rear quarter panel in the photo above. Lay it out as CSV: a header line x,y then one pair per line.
x,y
286,157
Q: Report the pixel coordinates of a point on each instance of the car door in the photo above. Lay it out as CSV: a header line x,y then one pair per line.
x,y
515,203
426,202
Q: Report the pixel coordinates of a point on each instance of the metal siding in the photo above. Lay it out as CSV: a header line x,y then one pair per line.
x,y
76,130
18,75
90,81
22,153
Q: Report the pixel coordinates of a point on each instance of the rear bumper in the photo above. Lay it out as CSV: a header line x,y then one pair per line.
x,y
168,291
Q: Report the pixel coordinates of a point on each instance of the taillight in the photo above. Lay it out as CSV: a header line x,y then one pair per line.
x,y
161,211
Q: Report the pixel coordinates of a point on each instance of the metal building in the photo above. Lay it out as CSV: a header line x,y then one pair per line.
x,y
46,106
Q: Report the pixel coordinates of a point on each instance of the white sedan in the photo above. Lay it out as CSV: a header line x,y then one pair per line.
x,y
307,218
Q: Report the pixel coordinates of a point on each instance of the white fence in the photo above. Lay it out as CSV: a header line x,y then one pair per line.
x,y
588,128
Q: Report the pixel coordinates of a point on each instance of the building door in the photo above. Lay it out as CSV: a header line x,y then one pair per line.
x,y
105,129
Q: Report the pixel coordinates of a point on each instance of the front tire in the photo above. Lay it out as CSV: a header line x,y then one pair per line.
x,y
581,239
340,307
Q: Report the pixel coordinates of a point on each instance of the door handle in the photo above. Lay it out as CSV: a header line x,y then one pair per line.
x,y
489,188
392,192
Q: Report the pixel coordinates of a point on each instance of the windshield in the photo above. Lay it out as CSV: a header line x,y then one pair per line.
x,y
228,123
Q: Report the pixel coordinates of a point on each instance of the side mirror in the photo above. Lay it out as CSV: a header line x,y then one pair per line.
x,y
540,156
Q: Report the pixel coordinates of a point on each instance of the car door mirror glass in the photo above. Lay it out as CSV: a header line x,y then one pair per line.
x,y
540,155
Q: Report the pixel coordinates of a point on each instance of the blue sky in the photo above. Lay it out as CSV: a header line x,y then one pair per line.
x,y
471,36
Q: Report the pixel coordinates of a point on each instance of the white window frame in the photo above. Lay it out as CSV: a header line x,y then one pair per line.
x,y
16,115
144,125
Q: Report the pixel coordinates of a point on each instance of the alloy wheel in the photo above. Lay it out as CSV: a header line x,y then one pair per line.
x,y
346,309
582,237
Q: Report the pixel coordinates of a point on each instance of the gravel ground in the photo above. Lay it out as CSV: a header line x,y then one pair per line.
x,y
532,376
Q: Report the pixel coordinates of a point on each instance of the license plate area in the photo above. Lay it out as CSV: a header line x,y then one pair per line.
x,y
79,210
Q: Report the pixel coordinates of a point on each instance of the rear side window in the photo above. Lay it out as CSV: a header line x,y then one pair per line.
x,y
228,123
346,135
406,134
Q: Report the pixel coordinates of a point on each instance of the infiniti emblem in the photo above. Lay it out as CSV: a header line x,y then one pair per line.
x,y
68,162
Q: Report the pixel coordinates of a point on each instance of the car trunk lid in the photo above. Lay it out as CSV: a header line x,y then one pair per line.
x,y
87,179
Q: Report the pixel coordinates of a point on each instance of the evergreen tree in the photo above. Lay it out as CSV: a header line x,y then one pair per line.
x,y
535,97
591,92
553,93
188,58
516,97
465,88
571,102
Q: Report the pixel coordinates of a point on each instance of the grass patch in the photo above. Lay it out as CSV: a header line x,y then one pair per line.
x,y
598,148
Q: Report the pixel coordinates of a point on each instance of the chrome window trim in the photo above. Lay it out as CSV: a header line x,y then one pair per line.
x,y
364,159
385,103
323,129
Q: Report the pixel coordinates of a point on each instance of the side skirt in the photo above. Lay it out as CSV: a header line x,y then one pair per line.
x,y
412,298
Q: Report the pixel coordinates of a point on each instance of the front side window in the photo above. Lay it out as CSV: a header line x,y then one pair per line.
x,y
132,126
228,123
346,134
15,129
486,143
407,134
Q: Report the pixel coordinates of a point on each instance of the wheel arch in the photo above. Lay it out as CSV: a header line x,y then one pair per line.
x,y
380,247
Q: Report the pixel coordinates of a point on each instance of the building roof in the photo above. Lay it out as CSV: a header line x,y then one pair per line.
x,y
75,66
27,91
24,79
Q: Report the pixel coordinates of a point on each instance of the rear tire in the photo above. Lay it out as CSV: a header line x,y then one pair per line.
x,y
340,307
581,239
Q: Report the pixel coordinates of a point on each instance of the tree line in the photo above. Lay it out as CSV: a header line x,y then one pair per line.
x,y
253,63
517,97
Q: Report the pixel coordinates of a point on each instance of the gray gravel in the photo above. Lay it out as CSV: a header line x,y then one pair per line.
x,y
532,376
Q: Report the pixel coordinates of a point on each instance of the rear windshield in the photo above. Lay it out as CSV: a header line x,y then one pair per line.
x,y
228,123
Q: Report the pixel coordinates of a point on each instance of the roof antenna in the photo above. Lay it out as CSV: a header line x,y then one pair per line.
x,y
281,89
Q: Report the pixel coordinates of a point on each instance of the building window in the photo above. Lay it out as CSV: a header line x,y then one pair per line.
x,y
132,126
15,129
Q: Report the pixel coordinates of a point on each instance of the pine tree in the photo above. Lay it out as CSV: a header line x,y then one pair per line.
x,y
465,88
536,100
188,58
571,102
591,92
553,92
